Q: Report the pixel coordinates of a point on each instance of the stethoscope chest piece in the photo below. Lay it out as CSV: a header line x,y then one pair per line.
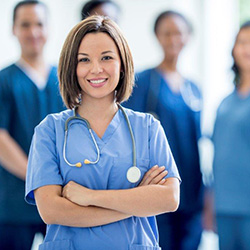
x,y
133,174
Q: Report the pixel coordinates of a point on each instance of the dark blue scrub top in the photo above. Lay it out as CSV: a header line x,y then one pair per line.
x,y
182,128
22,107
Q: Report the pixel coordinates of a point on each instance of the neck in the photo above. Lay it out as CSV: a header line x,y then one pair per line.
x,y
244,87
97,109
168,65
35,61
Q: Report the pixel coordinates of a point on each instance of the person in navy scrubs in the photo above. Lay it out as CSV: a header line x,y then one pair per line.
x,y
28,92
176,102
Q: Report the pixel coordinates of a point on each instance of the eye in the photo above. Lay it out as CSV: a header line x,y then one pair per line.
x,y
106,58
84,59
25,25
40,24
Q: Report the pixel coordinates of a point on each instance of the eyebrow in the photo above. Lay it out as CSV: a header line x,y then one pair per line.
x,y
104,52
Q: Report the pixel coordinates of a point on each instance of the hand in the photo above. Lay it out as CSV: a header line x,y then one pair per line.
x,y
154,176
77,193
208,215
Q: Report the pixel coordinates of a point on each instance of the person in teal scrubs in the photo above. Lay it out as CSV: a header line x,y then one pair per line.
x,y
231,140
98,172
28,92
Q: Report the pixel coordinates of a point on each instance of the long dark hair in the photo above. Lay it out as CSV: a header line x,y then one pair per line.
x,y
235,67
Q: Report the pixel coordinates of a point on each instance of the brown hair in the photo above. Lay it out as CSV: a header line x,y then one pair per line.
x,y
69,86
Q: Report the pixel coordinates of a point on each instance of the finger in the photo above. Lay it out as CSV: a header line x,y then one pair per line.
x,y
162,182
64,192
153,175
159,177
148,173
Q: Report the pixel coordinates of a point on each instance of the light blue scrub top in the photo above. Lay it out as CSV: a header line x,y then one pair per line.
x,y
47,166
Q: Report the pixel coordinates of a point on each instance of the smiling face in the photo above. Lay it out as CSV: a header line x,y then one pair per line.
x,y
30,28
99,66
241,51
172,33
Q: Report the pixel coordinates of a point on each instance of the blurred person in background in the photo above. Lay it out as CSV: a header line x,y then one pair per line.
x,y
28,92
101,7
231,139
176,102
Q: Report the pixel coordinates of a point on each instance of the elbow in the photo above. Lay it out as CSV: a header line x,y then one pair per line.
x,y
47,217
173,200
174,203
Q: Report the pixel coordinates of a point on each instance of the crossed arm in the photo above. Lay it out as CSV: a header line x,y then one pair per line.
x,y
75,205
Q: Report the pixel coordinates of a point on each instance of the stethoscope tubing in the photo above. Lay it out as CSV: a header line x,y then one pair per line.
x,y
75,117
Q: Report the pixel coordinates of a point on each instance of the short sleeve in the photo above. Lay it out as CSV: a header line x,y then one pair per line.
x,y
5,104
43,164
160,152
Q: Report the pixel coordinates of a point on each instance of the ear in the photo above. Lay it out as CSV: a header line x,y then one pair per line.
x,y
13,30
186,38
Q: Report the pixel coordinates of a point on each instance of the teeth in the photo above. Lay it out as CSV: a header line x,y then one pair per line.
x,y
97,81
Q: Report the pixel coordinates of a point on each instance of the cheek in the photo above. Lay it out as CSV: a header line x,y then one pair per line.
x,y
44,35
115,69
80,71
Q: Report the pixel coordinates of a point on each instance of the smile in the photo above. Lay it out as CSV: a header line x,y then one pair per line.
x,y
97,83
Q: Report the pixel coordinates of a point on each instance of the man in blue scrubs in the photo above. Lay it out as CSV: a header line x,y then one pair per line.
x,y
28,92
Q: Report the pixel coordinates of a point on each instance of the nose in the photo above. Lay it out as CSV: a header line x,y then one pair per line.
x,y
34,31
96,68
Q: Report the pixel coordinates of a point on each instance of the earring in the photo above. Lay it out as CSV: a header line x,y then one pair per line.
x,y
122,75
80,99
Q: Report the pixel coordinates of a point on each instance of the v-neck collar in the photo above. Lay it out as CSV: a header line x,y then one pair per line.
x,y
24,73
164,80
110,130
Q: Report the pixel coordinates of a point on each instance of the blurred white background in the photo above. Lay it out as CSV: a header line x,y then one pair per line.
x,y
206,59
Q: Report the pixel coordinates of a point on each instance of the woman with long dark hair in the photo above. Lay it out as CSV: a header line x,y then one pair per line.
x,y
232,153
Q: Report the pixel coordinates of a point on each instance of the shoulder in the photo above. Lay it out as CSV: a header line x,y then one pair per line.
x,y
142,79
54,120
226,101
7,71
145,74
7,77
141,119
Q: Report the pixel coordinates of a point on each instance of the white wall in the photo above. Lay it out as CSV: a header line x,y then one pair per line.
x,y
136,21
206,59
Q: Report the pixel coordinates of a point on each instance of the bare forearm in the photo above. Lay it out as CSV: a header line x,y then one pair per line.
x,y
59,210
12,157
141,201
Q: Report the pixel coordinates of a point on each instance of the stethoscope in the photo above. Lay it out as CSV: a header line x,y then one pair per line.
x,y
192,100
133,173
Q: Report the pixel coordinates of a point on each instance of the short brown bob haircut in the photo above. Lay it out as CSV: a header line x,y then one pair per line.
x,y
69,86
